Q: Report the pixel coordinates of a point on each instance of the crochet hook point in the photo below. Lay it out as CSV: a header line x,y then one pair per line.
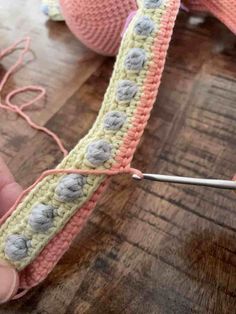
x,y
221,184
136,177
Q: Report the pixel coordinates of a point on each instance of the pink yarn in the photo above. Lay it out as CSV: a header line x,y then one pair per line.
x,y
20,110
97,23
128,20
109,172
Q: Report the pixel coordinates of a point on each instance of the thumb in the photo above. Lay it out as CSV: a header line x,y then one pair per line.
x,y
9,189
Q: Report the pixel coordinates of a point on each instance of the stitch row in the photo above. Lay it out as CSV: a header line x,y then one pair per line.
x,y
41,266
51,204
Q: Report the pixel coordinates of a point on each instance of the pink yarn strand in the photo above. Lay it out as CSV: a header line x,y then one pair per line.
x,y
19,110
109,172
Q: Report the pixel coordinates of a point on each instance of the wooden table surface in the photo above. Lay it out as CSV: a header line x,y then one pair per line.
x,y
148,247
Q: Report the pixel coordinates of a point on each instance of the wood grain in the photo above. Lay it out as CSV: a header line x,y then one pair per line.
x,y
148,247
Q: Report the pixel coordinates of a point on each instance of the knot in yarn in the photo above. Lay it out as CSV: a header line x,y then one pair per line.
x,y
70,187
153,4
16,247
98,152
144,26
41,217
126,90
114,120
135,59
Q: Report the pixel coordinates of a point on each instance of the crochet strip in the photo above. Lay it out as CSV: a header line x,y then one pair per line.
x,y
44,213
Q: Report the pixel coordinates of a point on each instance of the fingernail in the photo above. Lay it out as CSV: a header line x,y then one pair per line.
x,y
9,281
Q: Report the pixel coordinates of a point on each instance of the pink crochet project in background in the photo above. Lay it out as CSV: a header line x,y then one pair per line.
x,y
99,24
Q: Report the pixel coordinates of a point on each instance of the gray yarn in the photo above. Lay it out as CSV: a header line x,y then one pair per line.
x,y
98,152
135,59
41,217
153,4
144,26
70,187
126,90
16,247
114,120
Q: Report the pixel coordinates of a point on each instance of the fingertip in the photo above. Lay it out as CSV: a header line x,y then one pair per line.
x,y
8,195
9,282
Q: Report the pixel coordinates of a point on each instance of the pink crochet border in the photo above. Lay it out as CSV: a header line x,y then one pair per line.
x,y
38,270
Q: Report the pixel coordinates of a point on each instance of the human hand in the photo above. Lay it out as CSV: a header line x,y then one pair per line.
x,y
9,188
9,192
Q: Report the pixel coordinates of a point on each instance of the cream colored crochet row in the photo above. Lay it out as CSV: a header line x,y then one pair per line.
x,y
24,235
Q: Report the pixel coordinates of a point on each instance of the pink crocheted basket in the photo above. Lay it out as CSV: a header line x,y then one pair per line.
x,y
99,24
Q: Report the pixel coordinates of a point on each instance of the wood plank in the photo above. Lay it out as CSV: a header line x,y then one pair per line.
x,y
148,247
58,62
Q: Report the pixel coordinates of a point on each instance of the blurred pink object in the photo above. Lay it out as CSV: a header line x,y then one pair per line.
x,y
224,10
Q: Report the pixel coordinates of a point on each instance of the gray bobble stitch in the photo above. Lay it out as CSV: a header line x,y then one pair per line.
x,y
135,59
41,217
126,90
144,26
16,247
98,152
114,120
153,4
70,187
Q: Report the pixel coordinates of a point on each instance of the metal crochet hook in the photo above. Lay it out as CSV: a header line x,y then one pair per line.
x,y
214,183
